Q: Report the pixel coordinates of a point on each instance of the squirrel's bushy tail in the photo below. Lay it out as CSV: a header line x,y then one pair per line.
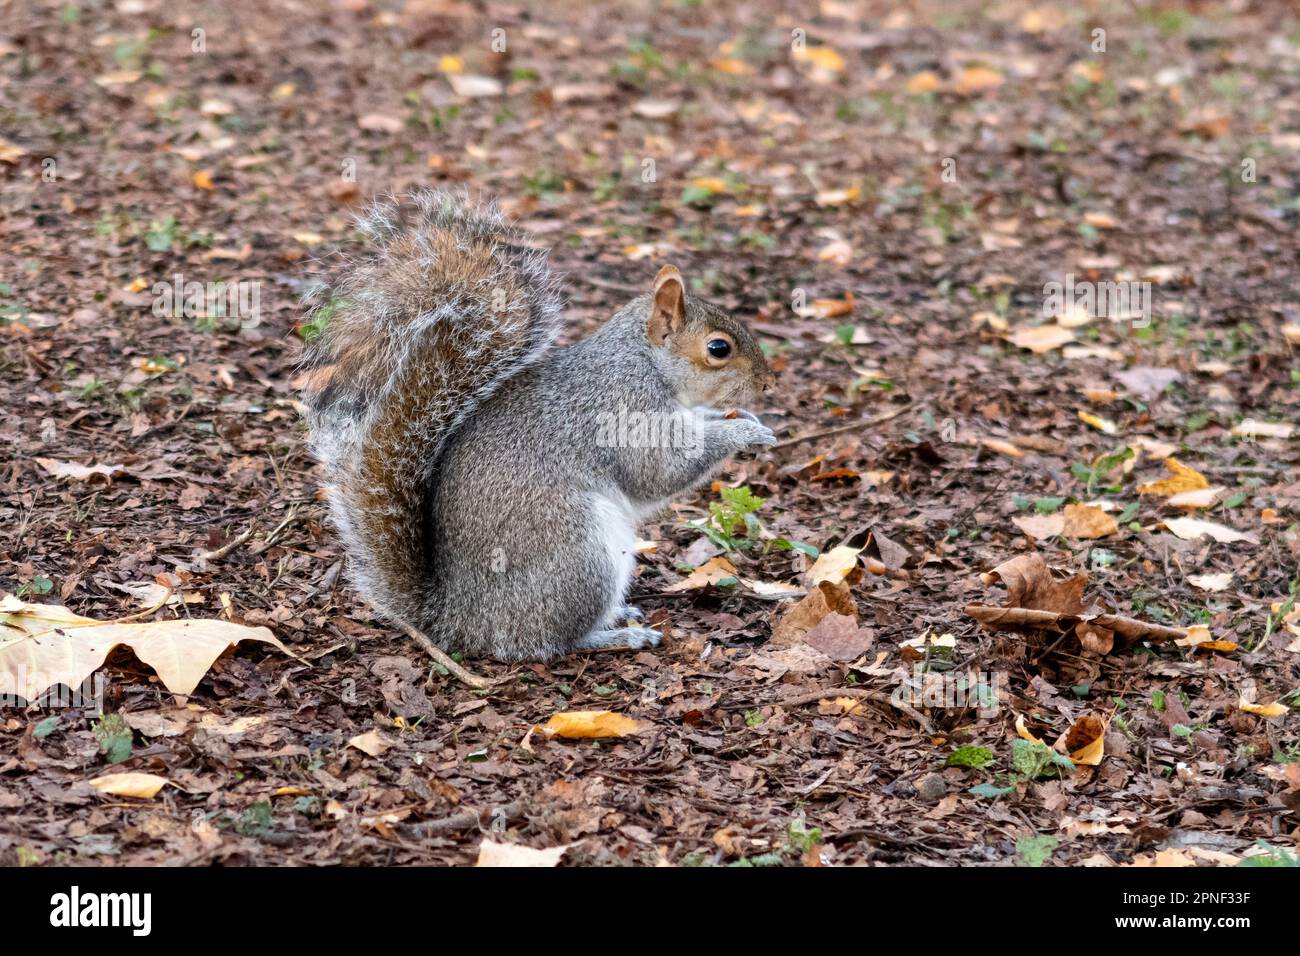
x,y
448,305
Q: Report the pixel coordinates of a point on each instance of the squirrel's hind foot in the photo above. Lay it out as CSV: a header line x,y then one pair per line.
x,y
632,638
626,613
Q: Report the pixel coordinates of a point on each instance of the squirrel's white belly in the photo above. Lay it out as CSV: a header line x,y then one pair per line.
x,y
615,520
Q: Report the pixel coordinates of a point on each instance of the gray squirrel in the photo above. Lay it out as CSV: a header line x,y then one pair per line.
x,y
484,481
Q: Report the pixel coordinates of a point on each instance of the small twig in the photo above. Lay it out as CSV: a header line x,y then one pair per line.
x,y
289,519
440,656
860,693
1127,627
230,545
841,429
147,612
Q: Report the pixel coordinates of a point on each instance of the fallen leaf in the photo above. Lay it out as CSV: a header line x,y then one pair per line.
x,y
1088,522
927,81
1103,425
838,197
1251,429
591,725
371,742
1275,709
1085,741
1196,500
10,152
710,572
1024,731
380,123
42,645
839,252
491,853
1189,529
69,469
1163,858
142,785
1002,447
1211,582
835,565
1147,383
1040,527
825,598
840,637
656,109
819,57
1041,338
1182,478
977,79
1030,584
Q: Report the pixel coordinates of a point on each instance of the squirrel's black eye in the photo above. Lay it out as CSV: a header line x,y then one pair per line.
x,y
719,348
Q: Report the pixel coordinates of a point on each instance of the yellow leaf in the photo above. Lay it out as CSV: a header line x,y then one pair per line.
x,y
1275,709
828,308
838,197
1226,647
1088,522
1002,447
138,284
820,57
1197,634
1085,741
591,724
732,65
44,644
978,79
1103,425
1089,71
451,64
1181,479
10,152
1041,19
927,81
1023,731
713,185
142,785
203,179
284,91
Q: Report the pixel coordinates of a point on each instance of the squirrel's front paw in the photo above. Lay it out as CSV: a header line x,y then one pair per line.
x,y
748,433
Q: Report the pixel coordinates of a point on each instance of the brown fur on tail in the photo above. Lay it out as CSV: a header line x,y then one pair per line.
x,y
447,305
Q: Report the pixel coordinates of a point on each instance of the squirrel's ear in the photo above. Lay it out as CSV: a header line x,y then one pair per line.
x,y
668,308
